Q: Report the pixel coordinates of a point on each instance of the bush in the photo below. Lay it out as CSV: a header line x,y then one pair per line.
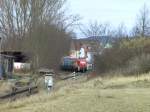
x,y
138,65
134,42
45,45
131,56
113,58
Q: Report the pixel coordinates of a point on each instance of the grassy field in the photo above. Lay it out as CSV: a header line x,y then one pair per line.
x,y
118,94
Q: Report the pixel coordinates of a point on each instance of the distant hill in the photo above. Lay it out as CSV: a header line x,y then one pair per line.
x,y
103,40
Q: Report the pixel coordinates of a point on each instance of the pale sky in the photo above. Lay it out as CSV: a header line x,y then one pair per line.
x,y
111,11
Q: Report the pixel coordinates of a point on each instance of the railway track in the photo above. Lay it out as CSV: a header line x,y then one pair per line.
x,y
19,92
24,91
73,75
19,88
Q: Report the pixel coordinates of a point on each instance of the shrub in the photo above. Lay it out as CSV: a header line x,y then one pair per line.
x,y
134,42
138,65
130,56
113,58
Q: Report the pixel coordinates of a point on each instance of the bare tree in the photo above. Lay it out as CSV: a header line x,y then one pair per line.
x,y
40,27
95,29
19,16
121,31
142,26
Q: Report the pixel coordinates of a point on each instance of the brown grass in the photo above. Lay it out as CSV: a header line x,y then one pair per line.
x,y
117,94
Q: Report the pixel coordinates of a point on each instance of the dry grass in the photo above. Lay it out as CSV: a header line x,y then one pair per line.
x,y
123,94
5,86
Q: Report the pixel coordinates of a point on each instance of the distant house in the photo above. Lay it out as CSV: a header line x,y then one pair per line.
x,y
97,43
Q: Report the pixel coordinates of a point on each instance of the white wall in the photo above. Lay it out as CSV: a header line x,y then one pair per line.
x,y
20,66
